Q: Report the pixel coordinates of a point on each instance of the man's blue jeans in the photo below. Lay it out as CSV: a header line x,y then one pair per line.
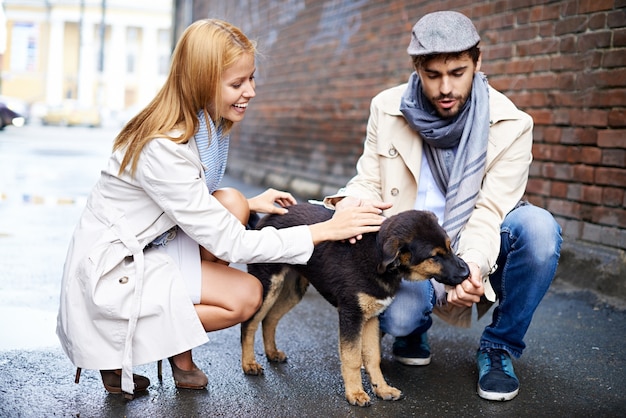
x,y
529,253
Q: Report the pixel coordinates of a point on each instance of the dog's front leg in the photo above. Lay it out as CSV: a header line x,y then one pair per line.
x,y
248,360
350,330
371,361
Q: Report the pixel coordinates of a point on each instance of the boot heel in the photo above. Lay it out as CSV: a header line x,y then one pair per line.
x,y
188,379
160,370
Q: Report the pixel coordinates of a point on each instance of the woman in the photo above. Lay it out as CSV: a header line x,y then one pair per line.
x,y
147,272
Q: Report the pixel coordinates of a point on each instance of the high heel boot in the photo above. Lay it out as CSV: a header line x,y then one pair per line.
x,y
112,380
185,379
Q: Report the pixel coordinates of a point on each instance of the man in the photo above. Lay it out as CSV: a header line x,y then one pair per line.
x,y
449,143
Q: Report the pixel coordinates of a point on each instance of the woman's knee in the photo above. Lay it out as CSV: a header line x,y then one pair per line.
x,y
236,203
250,299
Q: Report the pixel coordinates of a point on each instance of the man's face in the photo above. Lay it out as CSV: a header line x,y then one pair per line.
x,y
447,83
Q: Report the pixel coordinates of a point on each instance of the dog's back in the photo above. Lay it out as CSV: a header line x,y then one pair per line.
x,y
359,260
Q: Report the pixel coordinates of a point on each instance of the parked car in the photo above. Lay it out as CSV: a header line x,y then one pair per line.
x,y
10,117
17,105
71,113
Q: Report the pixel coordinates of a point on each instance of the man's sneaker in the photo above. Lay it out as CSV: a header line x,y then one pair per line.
x,y
412,350
496,378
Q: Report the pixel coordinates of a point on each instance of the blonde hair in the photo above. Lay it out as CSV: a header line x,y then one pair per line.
x,y
205,50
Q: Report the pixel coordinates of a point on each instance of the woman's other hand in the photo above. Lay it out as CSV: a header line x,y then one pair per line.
x,y
266,202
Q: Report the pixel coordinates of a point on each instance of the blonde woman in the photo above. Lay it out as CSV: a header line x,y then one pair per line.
x,y
147,275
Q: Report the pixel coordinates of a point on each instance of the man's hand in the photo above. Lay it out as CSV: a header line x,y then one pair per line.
x,y
470,290
350,201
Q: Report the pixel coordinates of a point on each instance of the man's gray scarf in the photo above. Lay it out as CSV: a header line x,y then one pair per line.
x,y
456,148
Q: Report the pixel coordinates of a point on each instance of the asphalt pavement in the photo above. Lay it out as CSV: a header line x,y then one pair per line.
x,y
574,365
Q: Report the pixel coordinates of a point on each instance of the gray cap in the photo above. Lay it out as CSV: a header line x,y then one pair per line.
x,y
442,32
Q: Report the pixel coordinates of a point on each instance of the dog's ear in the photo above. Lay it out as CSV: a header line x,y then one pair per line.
x,y
390,255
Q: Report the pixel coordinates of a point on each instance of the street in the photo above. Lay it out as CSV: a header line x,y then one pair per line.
x,y
574,365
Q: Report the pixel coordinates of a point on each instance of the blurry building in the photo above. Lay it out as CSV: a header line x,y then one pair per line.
x,y
111,53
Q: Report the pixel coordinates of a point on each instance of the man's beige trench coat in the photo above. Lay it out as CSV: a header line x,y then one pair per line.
x,y
123,304
389,170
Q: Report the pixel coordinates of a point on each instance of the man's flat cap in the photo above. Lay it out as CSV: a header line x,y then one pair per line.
x,y
442,32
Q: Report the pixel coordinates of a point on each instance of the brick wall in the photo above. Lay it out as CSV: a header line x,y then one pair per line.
x,y
563,62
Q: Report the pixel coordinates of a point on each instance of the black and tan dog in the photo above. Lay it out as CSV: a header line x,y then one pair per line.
x,y
360,280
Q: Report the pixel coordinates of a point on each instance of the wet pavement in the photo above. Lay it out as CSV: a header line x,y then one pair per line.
x,y
574,366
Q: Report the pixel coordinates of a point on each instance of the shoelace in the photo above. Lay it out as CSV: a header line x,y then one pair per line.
x,y
495,360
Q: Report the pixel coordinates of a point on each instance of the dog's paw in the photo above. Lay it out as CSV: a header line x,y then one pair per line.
x,y
359,398
276,356
388,393
253,369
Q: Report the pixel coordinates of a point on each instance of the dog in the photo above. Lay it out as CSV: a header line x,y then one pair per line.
x,y
359,279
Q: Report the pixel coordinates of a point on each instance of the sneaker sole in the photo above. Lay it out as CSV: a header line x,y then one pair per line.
x,y
412,361
497,396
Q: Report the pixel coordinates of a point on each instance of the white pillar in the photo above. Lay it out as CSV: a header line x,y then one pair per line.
x,y
87,66
54,78
115,68
148,69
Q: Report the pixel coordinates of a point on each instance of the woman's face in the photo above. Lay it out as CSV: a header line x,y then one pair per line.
x,y
238,88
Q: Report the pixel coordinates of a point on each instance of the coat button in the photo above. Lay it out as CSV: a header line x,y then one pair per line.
x,y
394,192
393,152
123,280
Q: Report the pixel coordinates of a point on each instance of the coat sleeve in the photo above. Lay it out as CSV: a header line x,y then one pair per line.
x,y
170,175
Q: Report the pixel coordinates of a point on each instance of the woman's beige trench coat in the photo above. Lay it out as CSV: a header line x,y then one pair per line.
x,y
124,304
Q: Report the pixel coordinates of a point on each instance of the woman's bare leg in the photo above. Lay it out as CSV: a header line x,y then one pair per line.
x,y
228,296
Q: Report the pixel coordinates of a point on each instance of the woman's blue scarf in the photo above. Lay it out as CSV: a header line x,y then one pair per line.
x,y
213,153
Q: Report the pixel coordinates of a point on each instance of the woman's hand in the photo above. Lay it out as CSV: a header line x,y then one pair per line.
x,y
469,290
351,202
266,202
347,223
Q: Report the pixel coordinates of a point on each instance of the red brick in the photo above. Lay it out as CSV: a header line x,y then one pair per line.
x,y
568,25
609,216
576,136
591,194
583,173
612,138
564,208
619,37
597,21
541,117
617,118
588,6
558,189
611,176
614,158
558,171
574,191
616,18
608,98
594,40
612,196
589,117
614,58
587,155
538,186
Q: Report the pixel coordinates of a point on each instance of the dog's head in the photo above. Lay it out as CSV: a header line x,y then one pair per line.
x,y
414,245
